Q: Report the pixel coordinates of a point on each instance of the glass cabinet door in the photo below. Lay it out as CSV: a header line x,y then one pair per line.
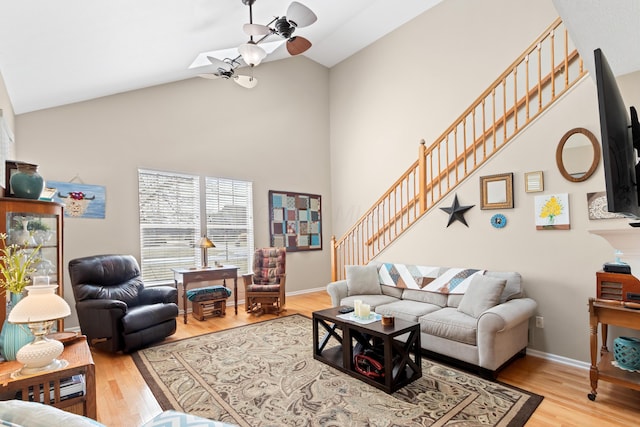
x,y
34,223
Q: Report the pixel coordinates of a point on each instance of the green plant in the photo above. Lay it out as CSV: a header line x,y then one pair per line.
x,y
17,264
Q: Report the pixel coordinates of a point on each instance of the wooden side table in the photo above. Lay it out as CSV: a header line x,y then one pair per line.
x,y
78,355
607,312
198,275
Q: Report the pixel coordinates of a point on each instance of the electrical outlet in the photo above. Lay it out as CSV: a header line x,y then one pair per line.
x,y
539,322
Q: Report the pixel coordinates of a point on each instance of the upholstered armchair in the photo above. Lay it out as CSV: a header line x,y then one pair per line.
x,y
115,310
265,288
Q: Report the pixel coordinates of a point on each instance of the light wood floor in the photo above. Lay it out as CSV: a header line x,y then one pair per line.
x,y
124,399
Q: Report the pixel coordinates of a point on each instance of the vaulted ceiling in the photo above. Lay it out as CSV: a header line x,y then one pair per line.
x,y
58,52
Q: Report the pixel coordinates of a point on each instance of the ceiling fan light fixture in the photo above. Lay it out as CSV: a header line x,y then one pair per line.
x,y
248,82
300,15
251,53
256,29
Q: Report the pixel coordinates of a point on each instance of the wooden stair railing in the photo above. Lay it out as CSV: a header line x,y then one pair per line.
x,y
527,88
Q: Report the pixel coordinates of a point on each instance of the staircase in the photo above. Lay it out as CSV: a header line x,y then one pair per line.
x,y
542,74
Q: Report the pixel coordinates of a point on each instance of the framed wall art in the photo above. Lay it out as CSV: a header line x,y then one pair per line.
x,y
496,191
533,182
597,206
552,212
80,200
295,221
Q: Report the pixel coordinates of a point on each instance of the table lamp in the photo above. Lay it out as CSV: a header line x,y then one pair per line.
x,y
205,244
39,310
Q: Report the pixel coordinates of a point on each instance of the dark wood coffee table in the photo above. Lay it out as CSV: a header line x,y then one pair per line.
x,y
399,367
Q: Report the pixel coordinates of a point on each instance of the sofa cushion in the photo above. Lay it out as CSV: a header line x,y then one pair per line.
x,y
362,280
373,300
146,316
425,296
451,324
484,292
406,309
392,291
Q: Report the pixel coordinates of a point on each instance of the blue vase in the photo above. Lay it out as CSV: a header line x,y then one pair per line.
x,y
13,337
27,183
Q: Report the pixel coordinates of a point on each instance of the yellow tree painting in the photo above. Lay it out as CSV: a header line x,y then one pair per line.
x,y
552,212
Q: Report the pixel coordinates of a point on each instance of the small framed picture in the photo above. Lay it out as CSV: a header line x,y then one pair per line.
x,y
533,182
496,191
11,167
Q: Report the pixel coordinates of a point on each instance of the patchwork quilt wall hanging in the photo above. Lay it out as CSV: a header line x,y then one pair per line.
x,y
295,221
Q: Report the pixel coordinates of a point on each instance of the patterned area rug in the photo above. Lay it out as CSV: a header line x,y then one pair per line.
x,y
264,374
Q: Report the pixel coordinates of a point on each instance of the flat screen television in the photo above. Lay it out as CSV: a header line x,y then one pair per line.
x,y
620,132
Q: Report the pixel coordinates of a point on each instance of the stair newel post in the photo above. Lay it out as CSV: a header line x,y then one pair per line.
x,y
334,259
422,172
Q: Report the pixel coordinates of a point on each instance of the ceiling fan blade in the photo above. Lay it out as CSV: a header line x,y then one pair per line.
x,y
246,81
256,29
219,64
300,15
297,45
210,76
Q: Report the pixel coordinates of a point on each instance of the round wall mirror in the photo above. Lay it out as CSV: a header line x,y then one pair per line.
x,y
578,154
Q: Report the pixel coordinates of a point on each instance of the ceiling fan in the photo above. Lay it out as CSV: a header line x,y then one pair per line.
x,y
298,16
226,70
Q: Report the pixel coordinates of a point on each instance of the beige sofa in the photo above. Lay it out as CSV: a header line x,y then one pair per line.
x,y
477,317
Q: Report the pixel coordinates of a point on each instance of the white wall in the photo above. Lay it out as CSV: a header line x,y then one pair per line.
x,y
275,135
412,85
6,111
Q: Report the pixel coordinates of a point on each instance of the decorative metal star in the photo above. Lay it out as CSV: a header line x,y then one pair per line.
x,y
456,212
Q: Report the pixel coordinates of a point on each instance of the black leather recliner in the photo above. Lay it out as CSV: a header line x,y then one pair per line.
x,y
115,310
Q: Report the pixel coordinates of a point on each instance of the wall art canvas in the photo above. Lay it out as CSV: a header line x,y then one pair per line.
x,y
80,200
598,207
552,212
295,221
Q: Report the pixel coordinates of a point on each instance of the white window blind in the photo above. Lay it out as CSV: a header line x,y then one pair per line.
x,y
229,213
169,223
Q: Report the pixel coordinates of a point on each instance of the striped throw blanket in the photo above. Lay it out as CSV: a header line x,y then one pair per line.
x,y
427,278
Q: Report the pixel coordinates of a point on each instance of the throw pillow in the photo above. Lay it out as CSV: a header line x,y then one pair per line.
x,y
483,293
362,280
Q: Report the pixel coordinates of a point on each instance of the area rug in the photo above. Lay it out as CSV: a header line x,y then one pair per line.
x,y
264,374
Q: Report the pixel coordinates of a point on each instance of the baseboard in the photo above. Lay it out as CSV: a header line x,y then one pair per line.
x,y
559,359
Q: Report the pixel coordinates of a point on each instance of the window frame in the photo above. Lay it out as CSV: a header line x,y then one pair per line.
x,y
158,211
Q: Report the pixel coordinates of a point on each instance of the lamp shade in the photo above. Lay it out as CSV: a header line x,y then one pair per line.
x,y
246,81
251,53
40,305
206,243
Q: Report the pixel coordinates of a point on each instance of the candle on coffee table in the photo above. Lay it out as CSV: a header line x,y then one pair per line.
x,y
365,310
357,304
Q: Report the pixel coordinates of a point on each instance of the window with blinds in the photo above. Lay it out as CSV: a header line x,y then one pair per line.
x,y
229,222
169,223
173,213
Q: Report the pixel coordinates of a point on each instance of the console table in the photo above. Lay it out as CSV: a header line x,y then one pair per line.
x,y
609,312
197,275
46,384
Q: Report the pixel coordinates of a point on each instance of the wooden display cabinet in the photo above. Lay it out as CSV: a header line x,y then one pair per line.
x,y
43,220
